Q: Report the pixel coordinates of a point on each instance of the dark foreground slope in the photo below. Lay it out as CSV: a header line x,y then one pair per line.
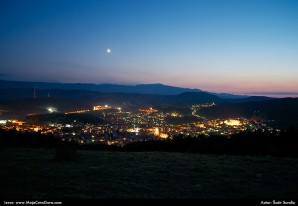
x,y
33,174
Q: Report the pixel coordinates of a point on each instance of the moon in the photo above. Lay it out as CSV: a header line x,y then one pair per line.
x,y
109,51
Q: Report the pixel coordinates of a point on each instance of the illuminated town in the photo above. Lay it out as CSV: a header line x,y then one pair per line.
x,y
145,124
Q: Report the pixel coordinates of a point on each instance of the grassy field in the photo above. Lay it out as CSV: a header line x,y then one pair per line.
x,y
34,174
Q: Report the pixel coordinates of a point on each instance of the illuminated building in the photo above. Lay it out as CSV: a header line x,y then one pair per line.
x,y
163,135
156,131
233,122
3,121
98,108
150,110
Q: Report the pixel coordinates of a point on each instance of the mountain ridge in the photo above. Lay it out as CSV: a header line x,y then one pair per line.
x,y
156,88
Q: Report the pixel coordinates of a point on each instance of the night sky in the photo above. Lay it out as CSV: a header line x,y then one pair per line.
x,y
220,46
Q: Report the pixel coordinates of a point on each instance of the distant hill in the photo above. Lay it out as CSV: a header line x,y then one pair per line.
x,y
193,98
227,96
284,111
146,89
107,88
70,100
249,99
17,101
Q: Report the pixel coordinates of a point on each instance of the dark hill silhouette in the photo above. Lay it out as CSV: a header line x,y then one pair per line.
x,y
107,88
250,99
70,100
194,97
160,89
227,96
284,111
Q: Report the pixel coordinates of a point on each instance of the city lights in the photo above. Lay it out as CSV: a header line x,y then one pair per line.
x,y
145,124
232,122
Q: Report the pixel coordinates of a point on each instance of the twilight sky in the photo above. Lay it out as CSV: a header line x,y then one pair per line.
x,y
215,45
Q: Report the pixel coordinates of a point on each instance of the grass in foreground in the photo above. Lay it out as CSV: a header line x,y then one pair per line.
x,y
34,174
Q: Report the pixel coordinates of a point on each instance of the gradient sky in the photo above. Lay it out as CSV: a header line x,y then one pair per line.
x,y
215,45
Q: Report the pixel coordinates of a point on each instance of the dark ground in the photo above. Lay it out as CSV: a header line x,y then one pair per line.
x,y
34,174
